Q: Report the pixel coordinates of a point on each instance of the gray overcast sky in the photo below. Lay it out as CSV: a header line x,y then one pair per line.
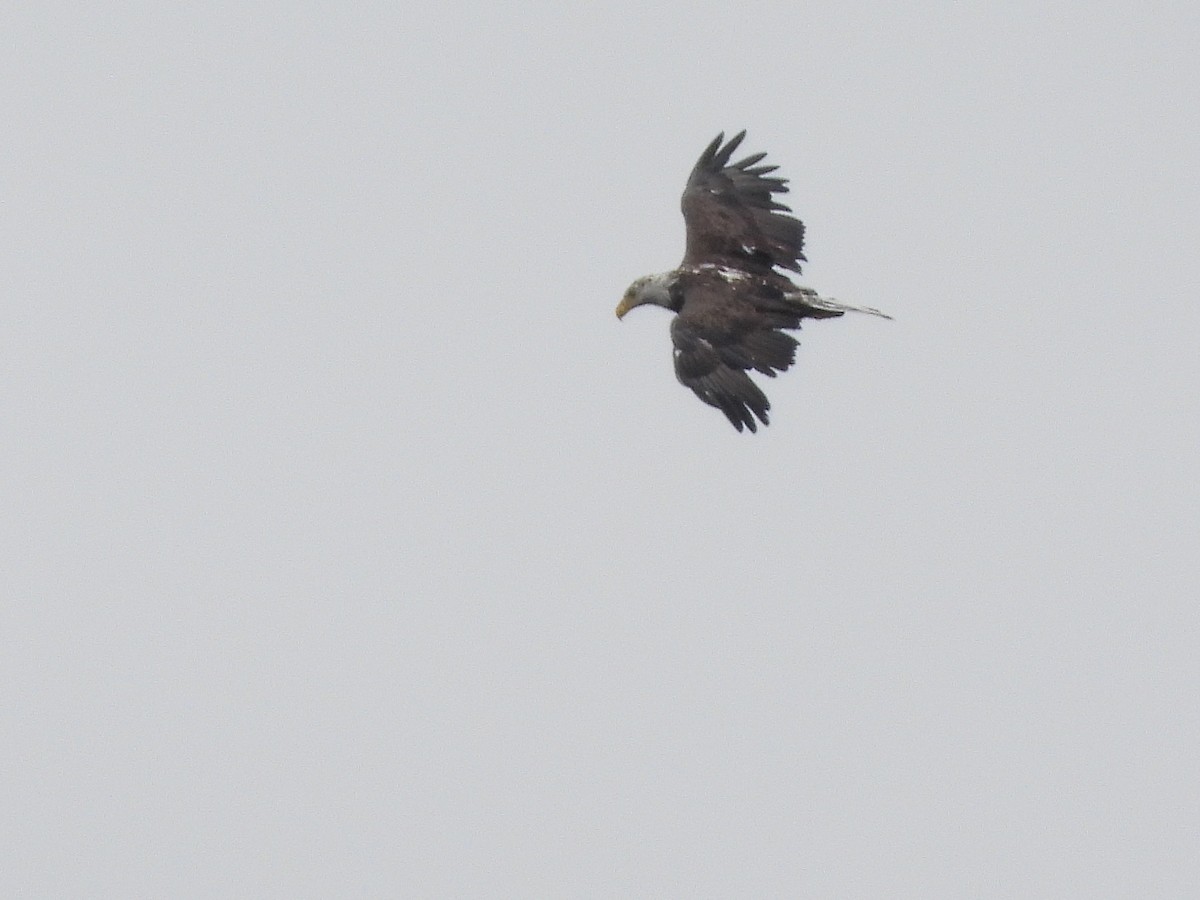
x,y
353,548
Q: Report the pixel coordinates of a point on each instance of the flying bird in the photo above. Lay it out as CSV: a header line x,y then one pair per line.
x,y
731,295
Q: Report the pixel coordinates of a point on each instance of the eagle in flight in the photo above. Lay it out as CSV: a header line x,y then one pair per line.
x,y
731,295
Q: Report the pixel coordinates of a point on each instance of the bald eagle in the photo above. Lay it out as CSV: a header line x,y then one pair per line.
x,y
730,294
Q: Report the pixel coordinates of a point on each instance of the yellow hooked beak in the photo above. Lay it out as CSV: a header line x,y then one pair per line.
x,y
624,306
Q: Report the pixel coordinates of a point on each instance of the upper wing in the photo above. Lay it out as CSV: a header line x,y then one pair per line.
x,y
732,217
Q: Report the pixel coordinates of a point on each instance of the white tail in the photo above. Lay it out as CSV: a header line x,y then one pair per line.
x,y
809,297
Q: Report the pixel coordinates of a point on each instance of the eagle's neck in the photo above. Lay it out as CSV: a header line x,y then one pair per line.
x,y
663,290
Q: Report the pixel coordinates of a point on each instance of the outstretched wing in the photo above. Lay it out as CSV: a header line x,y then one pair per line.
x,y
714,348
732,216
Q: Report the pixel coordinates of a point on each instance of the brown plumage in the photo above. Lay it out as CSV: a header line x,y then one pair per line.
x,y
732,217
730,294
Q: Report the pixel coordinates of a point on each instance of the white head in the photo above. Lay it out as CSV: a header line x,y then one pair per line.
x,y
654,289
